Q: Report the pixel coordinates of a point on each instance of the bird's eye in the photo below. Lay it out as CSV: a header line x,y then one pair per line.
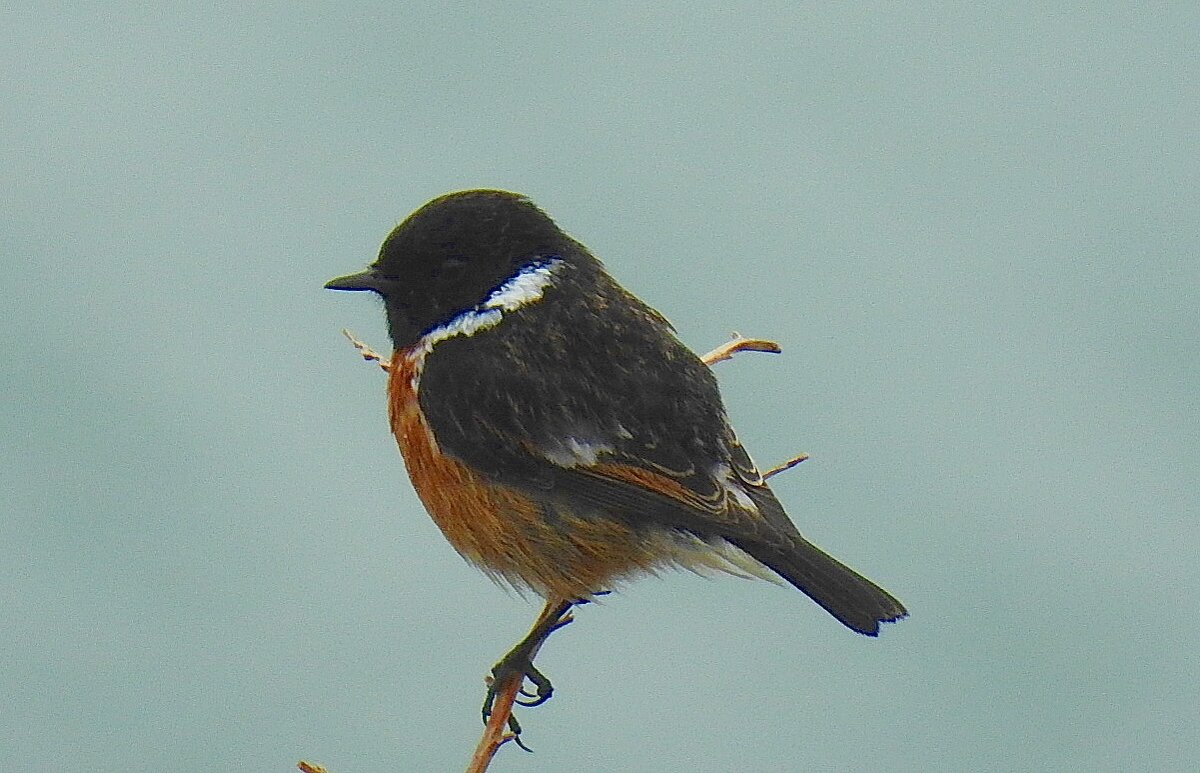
x,y
452,268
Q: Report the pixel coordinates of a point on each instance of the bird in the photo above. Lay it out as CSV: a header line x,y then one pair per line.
x,y
558,432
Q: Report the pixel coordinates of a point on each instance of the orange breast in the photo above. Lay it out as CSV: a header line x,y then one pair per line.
x,y
559,554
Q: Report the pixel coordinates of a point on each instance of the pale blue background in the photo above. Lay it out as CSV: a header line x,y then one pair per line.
x,y
974,231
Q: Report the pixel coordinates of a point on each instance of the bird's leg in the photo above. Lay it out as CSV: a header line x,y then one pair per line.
x,y
518,663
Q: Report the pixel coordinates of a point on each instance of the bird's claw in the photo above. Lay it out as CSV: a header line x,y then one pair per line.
x,y
516,665
542,688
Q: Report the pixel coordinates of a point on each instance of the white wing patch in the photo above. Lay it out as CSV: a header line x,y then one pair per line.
x,y
574,451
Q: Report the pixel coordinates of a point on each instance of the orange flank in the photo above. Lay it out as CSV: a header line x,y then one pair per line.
x,y
557,553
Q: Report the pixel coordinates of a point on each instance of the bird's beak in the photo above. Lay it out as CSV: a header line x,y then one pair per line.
x,y
367,280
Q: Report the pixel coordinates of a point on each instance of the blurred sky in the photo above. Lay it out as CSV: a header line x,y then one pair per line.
x,y
974,231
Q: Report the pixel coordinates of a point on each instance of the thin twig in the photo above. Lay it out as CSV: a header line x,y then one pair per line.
x,y
494,735
784,466
367,352
723,352
740,343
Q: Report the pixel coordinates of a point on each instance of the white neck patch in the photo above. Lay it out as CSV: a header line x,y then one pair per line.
x,y
523,288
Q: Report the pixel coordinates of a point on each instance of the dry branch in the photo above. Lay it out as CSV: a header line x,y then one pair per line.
x,y
367,352
740,343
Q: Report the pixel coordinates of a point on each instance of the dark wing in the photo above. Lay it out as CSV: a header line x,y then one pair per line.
x,y
586,373
588,396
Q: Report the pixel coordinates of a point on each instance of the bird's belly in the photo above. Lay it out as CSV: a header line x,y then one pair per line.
x,y
527,544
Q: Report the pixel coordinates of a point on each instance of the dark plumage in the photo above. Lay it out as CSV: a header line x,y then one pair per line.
x,y
589,442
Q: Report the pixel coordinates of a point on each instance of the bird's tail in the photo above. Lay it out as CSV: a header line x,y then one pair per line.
x,y
858,603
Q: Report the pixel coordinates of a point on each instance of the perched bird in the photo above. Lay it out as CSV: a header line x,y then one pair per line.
x,y
559,434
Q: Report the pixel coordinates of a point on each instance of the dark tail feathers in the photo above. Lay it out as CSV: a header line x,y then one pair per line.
x,y
858,603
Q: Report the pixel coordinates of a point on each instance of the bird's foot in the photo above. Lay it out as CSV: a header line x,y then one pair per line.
x,y
518,664
509,676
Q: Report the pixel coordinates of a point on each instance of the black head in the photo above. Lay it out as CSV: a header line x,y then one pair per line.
x,y
450,254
